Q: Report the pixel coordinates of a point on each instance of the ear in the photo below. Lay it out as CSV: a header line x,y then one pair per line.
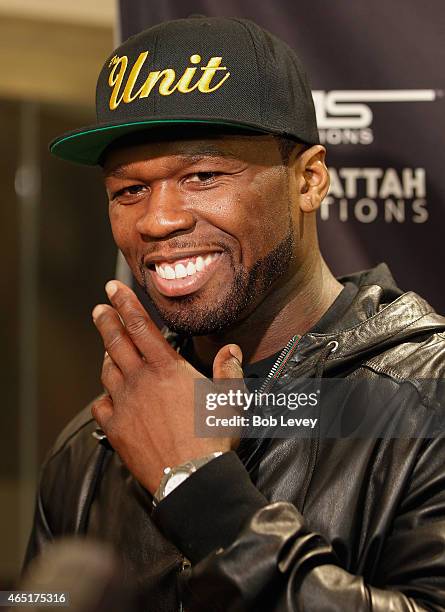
x,y
312,177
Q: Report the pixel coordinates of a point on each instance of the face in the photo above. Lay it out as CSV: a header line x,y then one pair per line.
x,y
204,224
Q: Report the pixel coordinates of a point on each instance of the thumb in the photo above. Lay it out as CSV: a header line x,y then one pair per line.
x,y
227,363
102,410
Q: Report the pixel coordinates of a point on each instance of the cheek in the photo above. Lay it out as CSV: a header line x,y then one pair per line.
x,y
123,231
266,219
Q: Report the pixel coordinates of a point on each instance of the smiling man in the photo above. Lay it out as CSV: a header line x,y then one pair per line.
x,y
208,142
229,225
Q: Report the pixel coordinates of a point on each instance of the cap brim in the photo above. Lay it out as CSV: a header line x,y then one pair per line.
x,y
87,145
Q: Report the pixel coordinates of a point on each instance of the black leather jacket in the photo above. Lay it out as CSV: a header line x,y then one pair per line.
x,y
325,524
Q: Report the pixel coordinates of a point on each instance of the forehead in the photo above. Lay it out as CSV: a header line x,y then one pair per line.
x,y
251,149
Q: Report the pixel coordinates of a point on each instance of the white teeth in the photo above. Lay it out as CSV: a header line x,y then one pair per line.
x,y
180,271
199,263
160,271
169,272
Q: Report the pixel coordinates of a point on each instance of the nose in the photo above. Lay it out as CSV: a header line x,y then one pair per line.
x,y
165,213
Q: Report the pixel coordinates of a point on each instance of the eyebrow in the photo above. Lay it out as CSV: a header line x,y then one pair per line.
x,y
192,157
117,171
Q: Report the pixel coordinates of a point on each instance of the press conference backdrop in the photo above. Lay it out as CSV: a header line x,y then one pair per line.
x,y
377,73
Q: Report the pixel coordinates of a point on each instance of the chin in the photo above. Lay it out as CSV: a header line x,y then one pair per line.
x,y
189,322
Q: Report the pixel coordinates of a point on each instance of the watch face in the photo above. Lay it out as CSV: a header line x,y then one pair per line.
x,y
174,481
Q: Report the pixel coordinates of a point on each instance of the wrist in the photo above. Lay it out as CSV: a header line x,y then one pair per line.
x,y
175,476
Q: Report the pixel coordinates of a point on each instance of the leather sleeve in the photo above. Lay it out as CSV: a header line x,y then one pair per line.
x,y
40,533
65,463
275,563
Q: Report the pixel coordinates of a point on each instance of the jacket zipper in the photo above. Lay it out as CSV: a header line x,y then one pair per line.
x,y
278,366
274,374
185,566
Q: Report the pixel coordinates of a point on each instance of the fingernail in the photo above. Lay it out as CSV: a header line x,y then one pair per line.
x,y
98,310
111,288
235,351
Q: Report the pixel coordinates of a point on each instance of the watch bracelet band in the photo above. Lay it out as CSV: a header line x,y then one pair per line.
x,y
190,466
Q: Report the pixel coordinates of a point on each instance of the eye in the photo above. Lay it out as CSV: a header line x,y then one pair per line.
x,y
128,192
203,177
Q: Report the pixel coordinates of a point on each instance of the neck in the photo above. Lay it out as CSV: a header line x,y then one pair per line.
x,y
293,307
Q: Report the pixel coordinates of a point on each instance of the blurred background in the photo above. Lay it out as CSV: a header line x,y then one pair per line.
x,y
376,70
55,240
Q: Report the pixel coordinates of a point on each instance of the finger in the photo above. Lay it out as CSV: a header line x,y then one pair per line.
x,y
227,363
228,373
115,338
102,411
139,326
111,377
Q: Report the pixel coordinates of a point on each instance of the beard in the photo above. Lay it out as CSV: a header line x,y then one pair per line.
x,y
191,318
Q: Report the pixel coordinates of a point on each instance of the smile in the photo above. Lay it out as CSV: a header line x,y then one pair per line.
x,y
185,275
186,267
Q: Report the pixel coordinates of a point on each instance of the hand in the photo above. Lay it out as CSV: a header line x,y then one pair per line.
x,y
148,414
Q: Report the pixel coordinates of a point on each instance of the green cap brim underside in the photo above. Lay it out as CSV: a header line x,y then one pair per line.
x,y
86,146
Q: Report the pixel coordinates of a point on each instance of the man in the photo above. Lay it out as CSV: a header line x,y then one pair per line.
x,y
207,137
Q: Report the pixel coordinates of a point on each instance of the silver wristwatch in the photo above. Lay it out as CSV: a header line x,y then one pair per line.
x,y
174,476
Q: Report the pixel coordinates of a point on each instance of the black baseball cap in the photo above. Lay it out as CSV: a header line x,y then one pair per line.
x,y
224,72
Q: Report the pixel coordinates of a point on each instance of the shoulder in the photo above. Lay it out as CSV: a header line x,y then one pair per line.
x,y
75,433
71,454
418,364
419,357
67,473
